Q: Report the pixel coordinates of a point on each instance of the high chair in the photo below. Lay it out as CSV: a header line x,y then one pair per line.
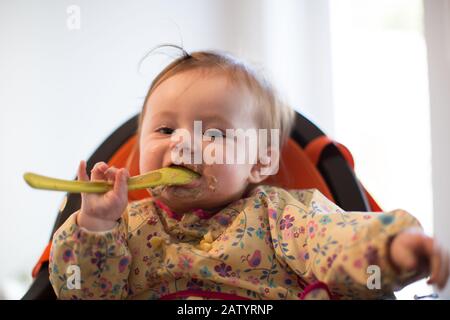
x,y
309,160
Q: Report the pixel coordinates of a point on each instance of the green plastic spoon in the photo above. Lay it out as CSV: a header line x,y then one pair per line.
x,y
165,176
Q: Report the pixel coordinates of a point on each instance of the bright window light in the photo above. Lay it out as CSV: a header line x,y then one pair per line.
x,y
380,88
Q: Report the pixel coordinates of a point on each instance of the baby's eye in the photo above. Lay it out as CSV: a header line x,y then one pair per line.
x,y
165,130
214,133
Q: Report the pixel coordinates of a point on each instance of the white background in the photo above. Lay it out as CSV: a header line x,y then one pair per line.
x,y
358,71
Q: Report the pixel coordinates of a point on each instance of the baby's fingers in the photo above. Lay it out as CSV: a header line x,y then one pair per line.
x,y
81,174
435,261
442,282
439,267
121,182
442,275
111,173
98,171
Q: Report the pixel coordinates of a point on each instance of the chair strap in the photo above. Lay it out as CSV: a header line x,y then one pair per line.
x,y
314,150
43,259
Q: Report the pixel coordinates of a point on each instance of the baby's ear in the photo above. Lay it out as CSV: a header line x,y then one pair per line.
x,y
267,165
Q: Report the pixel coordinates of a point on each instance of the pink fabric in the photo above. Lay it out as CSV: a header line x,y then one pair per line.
x,y
202,214
315,286
204,294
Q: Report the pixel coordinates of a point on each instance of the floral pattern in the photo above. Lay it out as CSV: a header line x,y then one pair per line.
x,y
275,244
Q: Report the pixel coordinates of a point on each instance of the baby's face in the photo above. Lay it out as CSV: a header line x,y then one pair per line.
x,y
173,107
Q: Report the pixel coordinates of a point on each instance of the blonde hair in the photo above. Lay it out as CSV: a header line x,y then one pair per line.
x,y
273,113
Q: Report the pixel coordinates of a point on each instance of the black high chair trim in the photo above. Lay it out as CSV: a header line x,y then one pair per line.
x,y
339,176
41,288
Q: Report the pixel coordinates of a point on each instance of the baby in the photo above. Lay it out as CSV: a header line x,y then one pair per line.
x,y
226,235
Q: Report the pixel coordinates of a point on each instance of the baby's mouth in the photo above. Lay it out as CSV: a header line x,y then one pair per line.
x,y
193,187
196,188
192,167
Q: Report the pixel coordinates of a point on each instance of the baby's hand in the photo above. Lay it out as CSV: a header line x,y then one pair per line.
x,y
100,212
412,250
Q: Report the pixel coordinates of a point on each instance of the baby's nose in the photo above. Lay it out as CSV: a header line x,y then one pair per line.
x,y
175,141
191,146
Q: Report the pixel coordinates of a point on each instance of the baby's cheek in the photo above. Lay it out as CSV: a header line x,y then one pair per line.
x,y
151,158
231,178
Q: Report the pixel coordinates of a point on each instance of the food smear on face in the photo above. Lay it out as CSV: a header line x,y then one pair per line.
x,y
157,191
194,192
211,181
